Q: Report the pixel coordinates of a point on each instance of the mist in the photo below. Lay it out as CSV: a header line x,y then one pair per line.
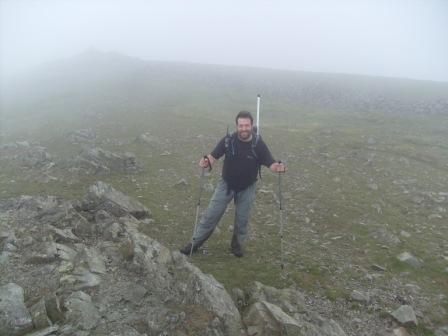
x,y
405,39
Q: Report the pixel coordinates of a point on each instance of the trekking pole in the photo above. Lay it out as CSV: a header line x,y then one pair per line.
x,y
280,202
198,205
258,114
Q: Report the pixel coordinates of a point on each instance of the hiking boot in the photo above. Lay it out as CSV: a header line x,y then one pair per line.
x,y
236,248
187,249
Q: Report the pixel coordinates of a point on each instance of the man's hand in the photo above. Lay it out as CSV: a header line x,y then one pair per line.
x,y
277,167
207,161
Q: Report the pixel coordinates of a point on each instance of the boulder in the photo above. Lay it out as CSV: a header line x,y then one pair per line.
x,y
15,320
409,259
405,315
39,315
101,196
81,312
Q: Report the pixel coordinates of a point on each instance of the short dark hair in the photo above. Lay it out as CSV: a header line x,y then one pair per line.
x,y
244,115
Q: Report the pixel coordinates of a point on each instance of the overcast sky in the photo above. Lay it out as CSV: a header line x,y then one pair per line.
x,y
393,38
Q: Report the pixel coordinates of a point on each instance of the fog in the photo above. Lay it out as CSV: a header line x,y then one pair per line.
x,y
401,38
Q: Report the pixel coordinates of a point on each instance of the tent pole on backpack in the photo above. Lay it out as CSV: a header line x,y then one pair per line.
x,y
258,115
198,205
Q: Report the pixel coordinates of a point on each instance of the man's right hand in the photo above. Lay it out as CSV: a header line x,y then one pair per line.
x,y
206,161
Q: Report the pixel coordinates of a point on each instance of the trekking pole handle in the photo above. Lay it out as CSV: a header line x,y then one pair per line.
x,y
284,168
209,164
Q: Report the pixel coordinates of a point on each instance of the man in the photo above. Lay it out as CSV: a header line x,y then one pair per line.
x,y
244,153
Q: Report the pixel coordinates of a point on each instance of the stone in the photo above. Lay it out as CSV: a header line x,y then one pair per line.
x,y
359,296
4,257
39,315
81,312
102,196
442,331
145,138
182,183
15,320
135,294
101,161
405,234
409,259
45,332
94,260
112,232
401,332
81,279
64,236
53,308
82,135
405,315
65,253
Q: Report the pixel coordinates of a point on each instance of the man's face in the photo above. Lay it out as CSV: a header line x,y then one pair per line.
x,y
244,128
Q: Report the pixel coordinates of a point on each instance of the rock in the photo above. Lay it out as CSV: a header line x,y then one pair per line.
x,y
405,234
269,319
39,315
112,232
290,300
4,257
238,298
405,315
401,332
135,294
377,267
360,296
15,320
81,311
53,308
145,138
102,196
409,259
44,253
45,332
65,236
442,331
204,290
94,260
373,186
64,252
386,237
81,279
276,310
182,183
82,135
99,161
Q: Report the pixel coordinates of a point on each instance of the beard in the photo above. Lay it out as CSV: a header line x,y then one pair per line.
x,y
244,135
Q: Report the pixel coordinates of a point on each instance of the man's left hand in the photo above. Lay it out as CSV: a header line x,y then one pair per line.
x,y
278,167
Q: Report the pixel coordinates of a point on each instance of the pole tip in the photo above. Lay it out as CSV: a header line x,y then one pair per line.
x,y
259,96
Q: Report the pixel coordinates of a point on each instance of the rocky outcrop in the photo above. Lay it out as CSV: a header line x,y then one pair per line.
x,y
82,283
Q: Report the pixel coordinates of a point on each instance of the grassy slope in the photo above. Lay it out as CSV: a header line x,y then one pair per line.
x,y
332,203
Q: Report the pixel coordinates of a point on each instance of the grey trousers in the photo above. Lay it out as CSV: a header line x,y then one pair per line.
x,y
218,205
